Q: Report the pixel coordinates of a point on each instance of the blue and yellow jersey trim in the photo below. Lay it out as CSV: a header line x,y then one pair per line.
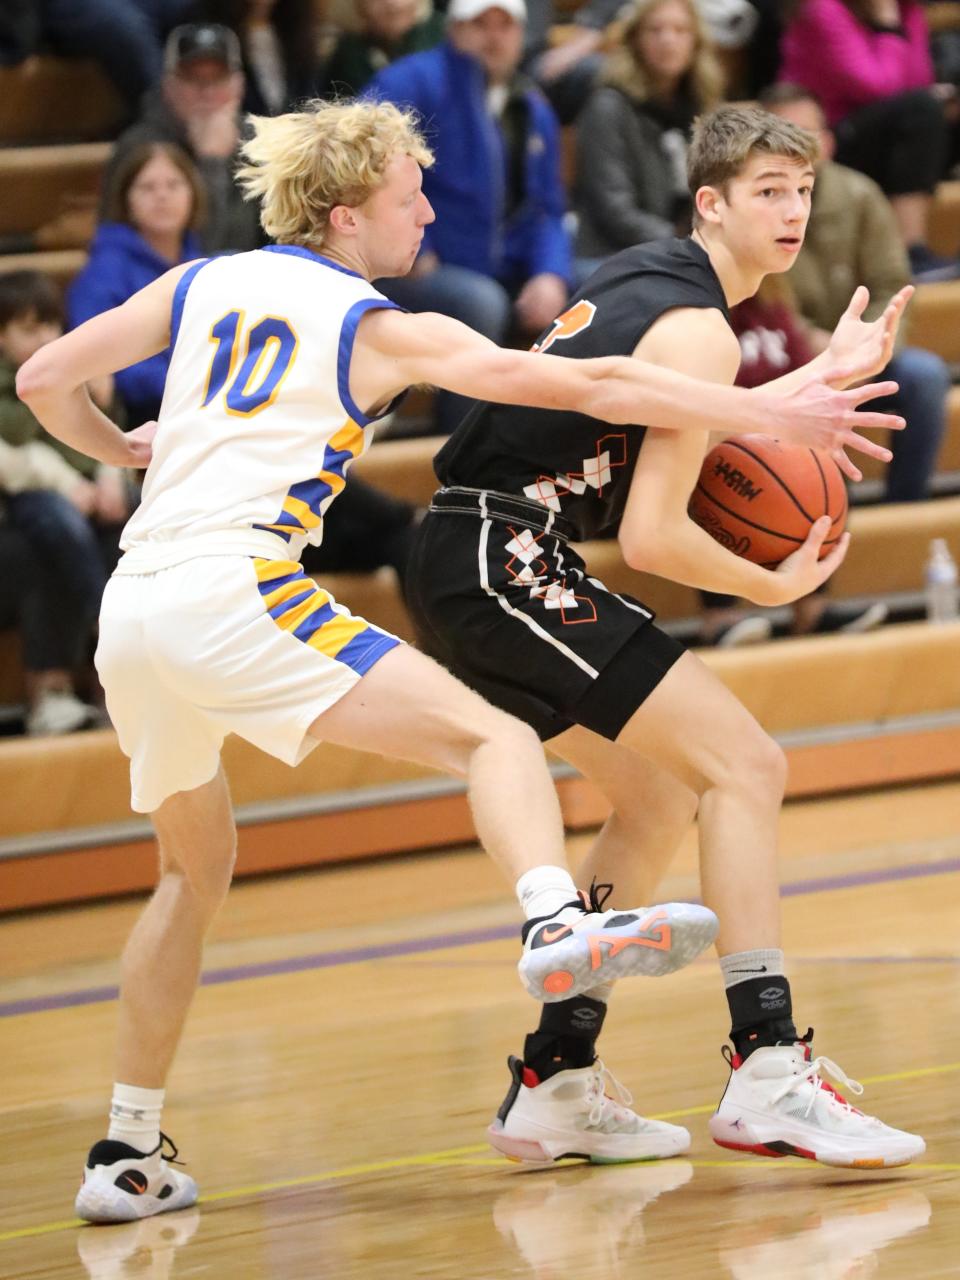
x,y
301,607
306,501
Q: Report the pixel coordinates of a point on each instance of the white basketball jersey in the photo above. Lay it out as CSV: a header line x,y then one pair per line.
x,y
257,428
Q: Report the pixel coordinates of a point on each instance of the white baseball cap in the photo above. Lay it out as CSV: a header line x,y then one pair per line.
x,y
467,10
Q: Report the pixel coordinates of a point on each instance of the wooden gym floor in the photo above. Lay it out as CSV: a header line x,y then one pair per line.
x,y
349,1047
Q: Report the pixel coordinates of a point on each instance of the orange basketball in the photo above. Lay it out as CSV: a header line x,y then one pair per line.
x,y
758,497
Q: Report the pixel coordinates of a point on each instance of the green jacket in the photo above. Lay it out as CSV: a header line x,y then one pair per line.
x,y
852,239
18,425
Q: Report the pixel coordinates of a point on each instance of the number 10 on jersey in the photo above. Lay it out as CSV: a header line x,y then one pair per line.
x,y
269,350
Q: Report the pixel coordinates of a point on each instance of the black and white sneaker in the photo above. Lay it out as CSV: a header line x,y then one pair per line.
x,y
121,1184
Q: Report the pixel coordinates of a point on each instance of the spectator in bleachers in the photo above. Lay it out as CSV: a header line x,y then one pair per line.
x,y
632,135
278,43
197,106
852,239
385,30
52,495
869,63
499,255
36,598
567,70
154,206
124,36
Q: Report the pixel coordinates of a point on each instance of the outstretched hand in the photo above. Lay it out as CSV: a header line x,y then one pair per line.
x,y
861,349
815,415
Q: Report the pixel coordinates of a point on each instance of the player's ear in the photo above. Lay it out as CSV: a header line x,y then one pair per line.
x,y
343,219
706,200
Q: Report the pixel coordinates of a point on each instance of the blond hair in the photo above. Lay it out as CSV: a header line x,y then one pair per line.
x,y
724,141
302,164
627,72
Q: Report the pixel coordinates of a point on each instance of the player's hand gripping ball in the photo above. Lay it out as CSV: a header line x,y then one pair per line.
x,y
758,498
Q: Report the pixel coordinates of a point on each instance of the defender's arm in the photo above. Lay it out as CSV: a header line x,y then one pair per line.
x,y
53,382
395,350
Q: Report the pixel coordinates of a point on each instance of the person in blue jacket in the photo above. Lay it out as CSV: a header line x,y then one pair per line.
x,y
154,205
498,256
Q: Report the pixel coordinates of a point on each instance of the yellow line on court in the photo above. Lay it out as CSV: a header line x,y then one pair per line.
x,y
462,1155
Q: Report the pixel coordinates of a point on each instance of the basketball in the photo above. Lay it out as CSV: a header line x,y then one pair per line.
x,y
758,497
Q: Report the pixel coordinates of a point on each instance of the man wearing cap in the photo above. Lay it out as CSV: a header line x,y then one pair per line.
x,y
197,106
498,256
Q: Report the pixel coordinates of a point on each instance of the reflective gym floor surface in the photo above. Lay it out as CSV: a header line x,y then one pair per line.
x,y
348,1049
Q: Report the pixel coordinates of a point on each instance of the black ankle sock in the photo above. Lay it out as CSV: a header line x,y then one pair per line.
x,y
566,1037
761,1013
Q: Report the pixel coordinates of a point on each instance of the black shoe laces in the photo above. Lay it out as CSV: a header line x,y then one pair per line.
x,y
599,893
171,1155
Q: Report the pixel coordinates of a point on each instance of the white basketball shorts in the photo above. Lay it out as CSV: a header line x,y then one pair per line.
x,y
218,645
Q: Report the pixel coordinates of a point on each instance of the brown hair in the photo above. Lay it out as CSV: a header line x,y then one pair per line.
x,y
625,71
724,141
786,94
127,171
29,293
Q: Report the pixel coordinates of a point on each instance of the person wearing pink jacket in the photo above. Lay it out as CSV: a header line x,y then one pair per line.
x,y
869,63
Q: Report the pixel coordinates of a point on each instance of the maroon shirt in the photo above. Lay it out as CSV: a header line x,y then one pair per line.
x,y
772,342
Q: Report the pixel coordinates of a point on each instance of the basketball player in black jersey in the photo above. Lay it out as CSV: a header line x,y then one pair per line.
x,y
503,599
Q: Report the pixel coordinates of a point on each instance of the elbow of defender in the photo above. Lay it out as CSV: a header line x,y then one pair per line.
x,y
36,378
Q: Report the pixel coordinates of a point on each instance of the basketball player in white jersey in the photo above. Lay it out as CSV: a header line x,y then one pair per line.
x,y
282,360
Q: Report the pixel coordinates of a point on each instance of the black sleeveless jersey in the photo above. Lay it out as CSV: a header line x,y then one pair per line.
x,y
576,465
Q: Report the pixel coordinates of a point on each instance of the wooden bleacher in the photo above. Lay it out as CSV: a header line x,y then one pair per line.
x,y
52,188
857,711
51,99
60,264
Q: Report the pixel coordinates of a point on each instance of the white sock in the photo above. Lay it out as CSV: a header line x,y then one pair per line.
x,y
544,890
741,966
135,1116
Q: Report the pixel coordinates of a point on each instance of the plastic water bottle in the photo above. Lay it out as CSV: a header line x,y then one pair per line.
x,y
940,584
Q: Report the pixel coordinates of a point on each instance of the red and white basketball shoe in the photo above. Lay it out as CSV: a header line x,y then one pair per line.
x,y
777,1103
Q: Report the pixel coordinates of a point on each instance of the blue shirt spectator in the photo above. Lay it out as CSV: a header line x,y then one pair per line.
x,y
154,204
499,256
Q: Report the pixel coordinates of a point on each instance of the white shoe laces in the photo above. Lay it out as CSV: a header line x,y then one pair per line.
x,y
601,1078
811,1076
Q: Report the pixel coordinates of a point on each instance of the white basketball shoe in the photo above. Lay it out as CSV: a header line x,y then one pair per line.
x,y
777,1103
571,1115
581,945
121,1184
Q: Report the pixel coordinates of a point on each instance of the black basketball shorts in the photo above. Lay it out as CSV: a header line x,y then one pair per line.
x,y
502,600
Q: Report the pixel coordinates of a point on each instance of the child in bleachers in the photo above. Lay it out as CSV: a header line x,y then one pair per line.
x,y
72,529
35,595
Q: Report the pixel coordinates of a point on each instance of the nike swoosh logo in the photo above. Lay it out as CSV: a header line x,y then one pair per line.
x,y
551,935
762,969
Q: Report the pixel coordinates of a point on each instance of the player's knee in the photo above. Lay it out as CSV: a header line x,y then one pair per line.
x,y
496,731
762,765
208,872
